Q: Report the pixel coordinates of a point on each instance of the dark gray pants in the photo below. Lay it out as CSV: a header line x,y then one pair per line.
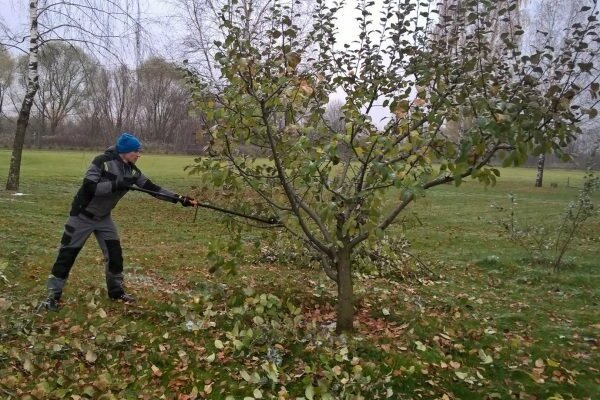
x,y
77,231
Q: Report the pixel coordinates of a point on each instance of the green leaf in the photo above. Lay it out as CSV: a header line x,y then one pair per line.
x,y
309,392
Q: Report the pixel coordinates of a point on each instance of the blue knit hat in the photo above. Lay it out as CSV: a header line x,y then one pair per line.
x,y
127,143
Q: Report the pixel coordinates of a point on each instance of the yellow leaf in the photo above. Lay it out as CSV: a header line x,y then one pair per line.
x,y
552,363
102,313
293,59
306,88
419,102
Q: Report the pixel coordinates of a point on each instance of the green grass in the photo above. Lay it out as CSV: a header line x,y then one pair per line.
x,y
496,324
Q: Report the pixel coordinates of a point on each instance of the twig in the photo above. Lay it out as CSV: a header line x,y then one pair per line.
x,y
7,392
420,262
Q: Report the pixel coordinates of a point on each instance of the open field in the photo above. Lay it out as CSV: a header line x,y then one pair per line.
x,y
492,322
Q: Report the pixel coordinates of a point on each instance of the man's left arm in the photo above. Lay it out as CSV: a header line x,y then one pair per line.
x,y
145,183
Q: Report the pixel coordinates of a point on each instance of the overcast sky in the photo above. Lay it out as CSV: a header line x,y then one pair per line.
x,y
165,37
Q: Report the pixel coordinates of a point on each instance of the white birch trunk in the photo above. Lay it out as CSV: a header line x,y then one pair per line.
x,y
14,172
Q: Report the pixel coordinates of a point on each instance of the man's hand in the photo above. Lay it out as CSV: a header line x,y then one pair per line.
x,y
187,201
120,185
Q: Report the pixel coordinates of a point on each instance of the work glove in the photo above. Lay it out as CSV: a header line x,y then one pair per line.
x,y
120,184
187,201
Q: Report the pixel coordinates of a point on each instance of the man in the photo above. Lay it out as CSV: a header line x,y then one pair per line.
x,y
106,181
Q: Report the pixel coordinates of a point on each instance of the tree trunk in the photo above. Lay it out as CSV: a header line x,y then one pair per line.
x,y
539,178
345,306
14,172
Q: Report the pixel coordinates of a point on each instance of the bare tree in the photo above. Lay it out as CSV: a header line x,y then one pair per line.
x,y
97,25
204,25
7,69
112,104
547,24
335,116
164,100
64,74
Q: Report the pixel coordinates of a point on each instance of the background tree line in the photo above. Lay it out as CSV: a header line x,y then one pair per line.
x,y
544,25
83,104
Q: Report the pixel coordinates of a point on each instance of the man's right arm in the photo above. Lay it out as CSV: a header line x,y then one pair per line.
x,y
91,181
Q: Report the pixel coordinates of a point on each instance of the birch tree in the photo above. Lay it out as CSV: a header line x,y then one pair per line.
x,y
98,25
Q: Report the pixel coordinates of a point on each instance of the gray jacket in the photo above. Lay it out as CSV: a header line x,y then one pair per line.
x,y
100,193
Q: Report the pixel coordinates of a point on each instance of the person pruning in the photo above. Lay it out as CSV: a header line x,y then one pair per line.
x,y
106,181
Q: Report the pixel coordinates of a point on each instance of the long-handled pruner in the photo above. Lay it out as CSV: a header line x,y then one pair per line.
x,y
270,220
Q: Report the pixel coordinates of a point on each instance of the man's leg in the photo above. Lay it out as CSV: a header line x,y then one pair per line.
x,y
108,239
77,231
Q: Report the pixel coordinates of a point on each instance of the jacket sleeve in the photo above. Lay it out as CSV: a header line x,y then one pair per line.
x,y
91,181
145,183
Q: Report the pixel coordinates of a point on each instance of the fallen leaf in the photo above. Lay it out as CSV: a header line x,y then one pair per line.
x,y
90,356
461,375
156,371
485,358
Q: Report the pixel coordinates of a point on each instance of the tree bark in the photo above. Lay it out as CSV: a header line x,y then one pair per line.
x,y
14,172
345,306
539,178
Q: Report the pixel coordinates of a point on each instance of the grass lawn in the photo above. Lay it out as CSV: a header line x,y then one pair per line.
x,y
492,322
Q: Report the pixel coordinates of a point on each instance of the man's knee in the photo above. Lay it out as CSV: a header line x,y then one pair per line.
x,y
115,256
64,261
